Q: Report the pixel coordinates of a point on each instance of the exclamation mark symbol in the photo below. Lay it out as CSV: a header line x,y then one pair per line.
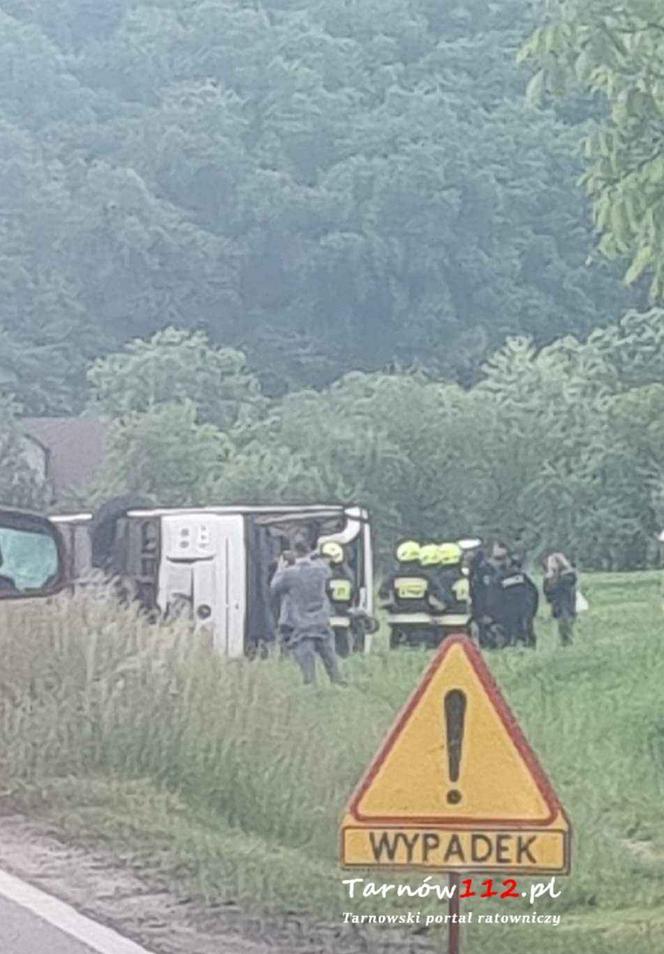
x,y
455,717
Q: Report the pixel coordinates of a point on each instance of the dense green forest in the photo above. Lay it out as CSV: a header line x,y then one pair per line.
x,y
324,184
307,248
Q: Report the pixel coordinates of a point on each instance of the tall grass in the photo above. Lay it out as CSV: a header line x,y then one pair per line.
x,y
234,776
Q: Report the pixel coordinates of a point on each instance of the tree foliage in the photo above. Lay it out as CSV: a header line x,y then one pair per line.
x,y
305,250
323,186
555,447
614,51
164,453
175,366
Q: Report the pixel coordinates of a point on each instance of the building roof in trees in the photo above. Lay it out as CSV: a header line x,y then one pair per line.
x,y
75,448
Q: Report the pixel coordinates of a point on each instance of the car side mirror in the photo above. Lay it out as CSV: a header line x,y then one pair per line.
x,y
32,556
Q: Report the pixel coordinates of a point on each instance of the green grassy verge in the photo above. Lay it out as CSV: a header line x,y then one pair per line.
x,y
228,779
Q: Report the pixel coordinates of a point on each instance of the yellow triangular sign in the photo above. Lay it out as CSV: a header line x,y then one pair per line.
x,y
455,756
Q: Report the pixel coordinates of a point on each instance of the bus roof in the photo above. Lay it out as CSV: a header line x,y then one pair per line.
x,y
285,510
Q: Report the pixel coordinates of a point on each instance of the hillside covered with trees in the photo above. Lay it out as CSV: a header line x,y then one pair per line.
x,y
329,248
324,184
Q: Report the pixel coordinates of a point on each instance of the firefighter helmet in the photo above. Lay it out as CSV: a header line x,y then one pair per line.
x,y
333,551
450,554
430,555
408,551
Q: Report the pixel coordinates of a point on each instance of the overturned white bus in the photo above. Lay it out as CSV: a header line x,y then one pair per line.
x,y
215,564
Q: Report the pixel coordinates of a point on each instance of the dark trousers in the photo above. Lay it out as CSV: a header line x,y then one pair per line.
x,y
306,648
566,629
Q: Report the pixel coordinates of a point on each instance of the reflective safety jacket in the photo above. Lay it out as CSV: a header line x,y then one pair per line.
x,y
411,589
455,590
341,591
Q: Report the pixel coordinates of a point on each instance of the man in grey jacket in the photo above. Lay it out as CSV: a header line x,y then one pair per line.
x,y
301,589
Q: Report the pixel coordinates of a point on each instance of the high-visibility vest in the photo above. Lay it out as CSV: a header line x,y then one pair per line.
x,y
411,587
461,590
340,590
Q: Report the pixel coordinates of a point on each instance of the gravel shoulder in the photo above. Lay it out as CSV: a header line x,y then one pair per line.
x,y
103,886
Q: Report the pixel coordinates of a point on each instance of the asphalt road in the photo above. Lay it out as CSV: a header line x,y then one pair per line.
x,y
32,922
22,932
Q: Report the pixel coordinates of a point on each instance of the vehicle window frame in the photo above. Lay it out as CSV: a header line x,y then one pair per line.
x,y
20,520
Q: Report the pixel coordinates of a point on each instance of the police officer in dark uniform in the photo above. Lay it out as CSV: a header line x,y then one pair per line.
x,y
512,600
481,573
530,605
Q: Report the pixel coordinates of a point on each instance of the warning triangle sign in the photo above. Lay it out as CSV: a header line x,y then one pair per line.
x,y
455,755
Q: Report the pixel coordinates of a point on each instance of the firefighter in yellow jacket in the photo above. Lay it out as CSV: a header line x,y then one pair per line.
x,y
453,581
412,587
341,592
340,589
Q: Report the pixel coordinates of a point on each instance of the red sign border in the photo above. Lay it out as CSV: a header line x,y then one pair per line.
x,y
510,724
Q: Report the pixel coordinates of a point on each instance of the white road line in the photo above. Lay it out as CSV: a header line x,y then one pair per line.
x,y
100,939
